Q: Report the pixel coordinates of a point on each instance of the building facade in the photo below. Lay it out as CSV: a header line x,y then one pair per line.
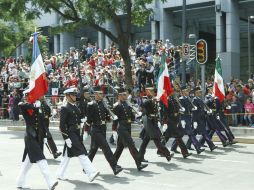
x,y
222,23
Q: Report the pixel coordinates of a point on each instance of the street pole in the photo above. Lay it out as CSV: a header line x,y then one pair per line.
x,y
203,80
183,41
249,47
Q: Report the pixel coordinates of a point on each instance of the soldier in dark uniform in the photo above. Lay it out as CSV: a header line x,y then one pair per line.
x,y
218,120
70,119
171,127
84,99
199,118
97,117
212,124
122,125
45,115
221,119
34,137
152,131
186,121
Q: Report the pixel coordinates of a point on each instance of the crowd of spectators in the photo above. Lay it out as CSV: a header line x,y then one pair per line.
x,y
106,67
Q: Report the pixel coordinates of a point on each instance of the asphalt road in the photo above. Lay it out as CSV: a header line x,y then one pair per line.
x,y
225,168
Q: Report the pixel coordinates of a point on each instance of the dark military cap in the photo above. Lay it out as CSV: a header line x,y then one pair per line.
x,y
121,91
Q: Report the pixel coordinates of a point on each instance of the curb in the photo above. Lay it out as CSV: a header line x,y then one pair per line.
x,y
135,134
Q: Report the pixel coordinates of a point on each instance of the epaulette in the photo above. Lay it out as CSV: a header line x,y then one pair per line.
x,y
115,104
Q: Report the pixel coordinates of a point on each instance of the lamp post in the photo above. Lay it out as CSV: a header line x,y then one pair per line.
x,y
193,36
183,41
249,44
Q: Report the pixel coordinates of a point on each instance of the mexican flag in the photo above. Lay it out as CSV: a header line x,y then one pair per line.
x,y
218,85
38,85
164,88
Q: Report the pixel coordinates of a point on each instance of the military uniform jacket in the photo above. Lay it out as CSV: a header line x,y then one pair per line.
x,y
187,115
171,116
151,117
97,116
45,114
125,116
70,119
199,115
34,134
211,118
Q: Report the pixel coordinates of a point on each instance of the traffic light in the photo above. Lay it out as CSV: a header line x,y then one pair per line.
x,y
201,51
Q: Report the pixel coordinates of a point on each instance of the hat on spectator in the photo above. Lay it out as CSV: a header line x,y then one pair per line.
x,y
97,89
26,91
121,91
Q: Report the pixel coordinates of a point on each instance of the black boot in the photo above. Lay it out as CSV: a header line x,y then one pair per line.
x,y
213,148
57,154
200,150
187,155
141,166
117,169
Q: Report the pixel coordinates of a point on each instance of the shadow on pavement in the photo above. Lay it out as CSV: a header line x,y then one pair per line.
x,y
202,156
81,185
198,171
188,160
112,179
135,172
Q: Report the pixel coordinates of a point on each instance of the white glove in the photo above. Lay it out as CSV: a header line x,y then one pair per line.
x,y
139,114
210,111
85,135
83,120
45,140
195,125
194,109
228,107
115,118
37,104
115,136
68,142
218,117
164,127
183,123
182,109
159,124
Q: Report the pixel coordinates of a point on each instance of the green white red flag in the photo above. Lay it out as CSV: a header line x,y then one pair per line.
x,y
218,86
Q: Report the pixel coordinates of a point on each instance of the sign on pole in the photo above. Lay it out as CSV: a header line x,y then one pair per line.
x,y
186,51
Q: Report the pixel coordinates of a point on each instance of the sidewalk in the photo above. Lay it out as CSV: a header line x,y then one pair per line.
x,y
242,134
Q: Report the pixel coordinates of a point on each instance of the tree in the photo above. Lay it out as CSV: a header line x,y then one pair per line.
x,y
95,13
16,25
13,35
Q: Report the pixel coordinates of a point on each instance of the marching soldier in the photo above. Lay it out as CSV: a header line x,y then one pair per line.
x,y
34,138
171,127
122,125
97,117
213,127
185,119
152,131
199,118
221,119
45,115
70,119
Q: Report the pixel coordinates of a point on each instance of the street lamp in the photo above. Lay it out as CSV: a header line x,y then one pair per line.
x,y
249,44
193,36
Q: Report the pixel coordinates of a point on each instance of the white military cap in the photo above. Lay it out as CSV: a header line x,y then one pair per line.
x,y
70,90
